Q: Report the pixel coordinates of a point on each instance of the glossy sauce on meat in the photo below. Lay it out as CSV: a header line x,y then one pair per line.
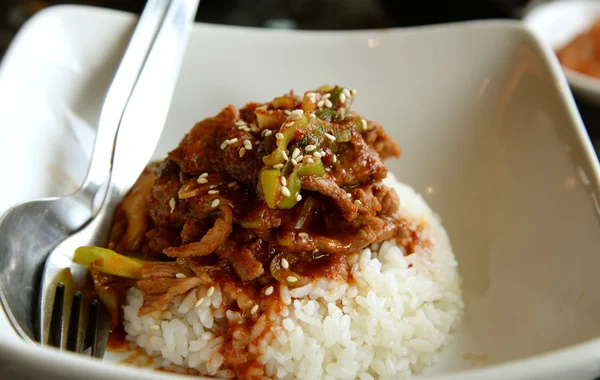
x,y
277,193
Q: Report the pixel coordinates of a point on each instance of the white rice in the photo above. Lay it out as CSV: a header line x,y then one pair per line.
x,y
389,323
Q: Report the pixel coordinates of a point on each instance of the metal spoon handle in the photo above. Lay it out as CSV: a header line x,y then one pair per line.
x,y
119,93
138,134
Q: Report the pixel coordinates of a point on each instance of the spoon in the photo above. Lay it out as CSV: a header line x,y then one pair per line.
x,y
138,134
28,231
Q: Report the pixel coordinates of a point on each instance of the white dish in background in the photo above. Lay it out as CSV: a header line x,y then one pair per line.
x,y
490,135
557,23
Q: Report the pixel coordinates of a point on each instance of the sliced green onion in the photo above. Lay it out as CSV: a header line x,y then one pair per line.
x,y
293,185
108,261
269,181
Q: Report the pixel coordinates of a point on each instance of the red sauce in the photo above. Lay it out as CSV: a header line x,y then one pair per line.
x,y
582,54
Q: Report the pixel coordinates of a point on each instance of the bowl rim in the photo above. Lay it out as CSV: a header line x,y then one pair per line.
x,y
582,352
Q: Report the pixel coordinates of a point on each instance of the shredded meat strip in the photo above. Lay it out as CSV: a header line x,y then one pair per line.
x,y
330,189
157,269
215,237
244,262
376,230
136,208
166,289
376,137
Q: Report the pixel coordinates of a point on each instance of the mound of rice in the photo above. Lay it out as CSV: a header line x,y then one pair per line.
x,y
389,322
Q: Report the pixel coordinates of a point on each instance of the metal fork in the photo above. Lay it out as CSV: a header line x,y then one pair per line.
x,y
30,230
137,137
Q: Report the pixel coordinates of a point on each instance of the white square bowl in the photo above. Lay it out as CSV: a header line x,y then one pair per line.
x,y
490,137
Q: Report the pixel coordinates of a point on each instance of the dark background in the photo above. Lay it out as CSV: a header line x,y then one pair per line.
x,y
315,15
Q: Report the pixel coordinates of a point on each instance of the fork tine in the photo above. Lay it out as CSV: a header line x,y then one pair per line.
x,y
103,323
73,330
61,309
56,320
97,329
91,328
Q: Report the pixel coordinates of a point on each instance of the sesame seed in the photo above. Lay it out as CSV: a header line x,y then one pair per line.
x,y
334,158
288,112
291,279
204,175
224,144
315,251
277,166
231,184
248,147
155,327
240,123
242,152
214,203
213,191
298,198
285,264
299,158
326,96
232,141
172,204
284,155
343,97
349,195
294,162
310,161
285,191
312,116
268,132
303,235
288,124
320,103
330,136
357,203
210,291
317,155
328,103
201,180
364,122
298,112
346,92
246,142
263,132
353,92
295,153
199,302
180,275
269,291
254,309
283,181
279,136
310,148
311,94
